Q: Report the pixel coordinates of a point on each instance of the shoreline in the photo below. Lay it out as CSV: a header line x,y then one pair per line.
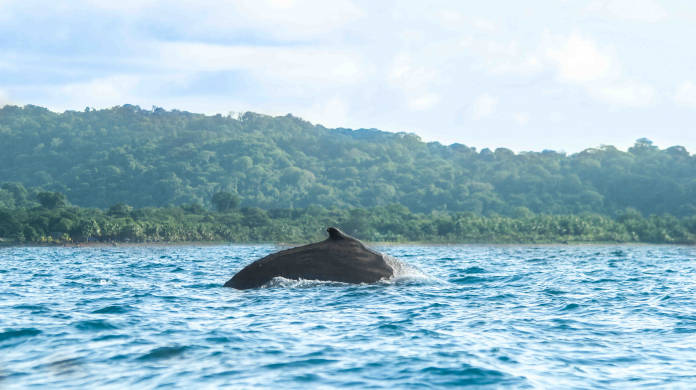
x,y
290,244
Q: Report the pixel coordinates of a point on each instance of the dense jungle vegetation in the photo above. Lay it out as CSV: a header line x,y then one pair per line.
x,y
154,175
158,158
54,221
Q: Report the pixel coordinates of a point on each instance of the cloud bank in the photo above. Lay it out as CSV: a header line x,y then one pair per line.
x,y
528,76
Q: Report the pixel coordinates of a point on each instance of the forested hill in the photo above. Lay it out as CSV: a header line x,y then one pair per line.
x,y
157,157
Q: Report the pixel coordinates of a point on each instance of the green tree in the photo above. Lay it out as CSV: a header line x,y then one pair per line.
x,y
51,200
225,201
120,210
86,229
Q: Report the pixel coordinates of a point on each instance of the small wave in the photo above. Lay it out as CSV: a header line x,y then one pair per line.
x,y
475,270
465,376
501,297
204,285
224,339
164,353
169,298
7,375
300,363
566,324
94,325
470,280
111,337
389,327
9,294
553,291
307,377
601,280
63,366
113,309
570,306
149,266
15,333
222,374
34,308
516,277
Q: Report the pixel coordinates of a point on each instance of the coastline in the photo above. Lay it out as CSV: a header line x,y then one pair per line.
x,y
294,244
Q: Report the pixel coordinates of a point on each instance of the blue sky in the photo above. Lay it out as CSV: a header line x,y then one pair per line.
x,y
532,75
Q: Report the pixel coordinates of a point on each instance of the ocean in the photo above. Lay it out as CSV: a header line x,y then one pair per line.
x,y
456,316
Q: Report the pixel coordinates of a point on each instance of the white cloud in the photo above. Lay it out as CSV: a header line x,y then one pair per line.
x,y
484,25
303,18
99,92
522,118
414,77
506,58
409,74
556,117
451,18
579,60
483,106
686,94
574,58
394,65
128,7
332,112
282,19
309,66
628,94
424,102
638,10
4,98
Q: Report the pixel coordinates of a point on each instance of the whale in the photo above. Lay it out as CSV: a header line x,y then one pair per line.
x,y
339,258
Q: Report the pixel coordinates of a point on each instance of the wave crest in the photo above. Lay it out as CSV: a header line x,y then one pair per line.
x,y
405,273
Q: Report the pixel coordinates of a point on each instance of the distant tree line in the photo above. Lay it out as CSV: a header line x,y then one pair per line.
x,y
158,158
51,219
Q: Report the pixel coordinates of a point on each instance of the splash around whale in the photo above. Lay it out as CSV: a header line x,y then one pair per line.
x,y
339,258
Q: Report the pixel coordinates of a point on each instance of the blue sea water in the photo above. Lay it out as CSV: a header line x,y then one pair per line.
x,y
457,316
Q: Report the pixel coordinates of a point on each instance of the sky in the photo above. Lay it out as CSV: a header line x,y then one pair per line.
x,y
526,75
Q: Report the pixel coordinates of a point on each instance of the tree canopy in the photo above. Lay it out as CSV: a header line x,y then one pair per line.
x,y
225,201
158,158
394,223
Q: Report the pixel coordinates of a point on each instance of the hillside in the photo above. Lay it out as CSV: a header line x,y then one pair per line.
x,y
156,158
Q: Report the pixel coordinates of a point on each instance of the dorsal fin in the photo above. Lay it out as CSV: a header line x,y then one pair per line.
x,y
335,234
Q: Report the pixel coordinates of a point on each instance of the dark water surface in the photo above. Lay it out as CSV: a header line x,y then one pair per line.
x,y
501,316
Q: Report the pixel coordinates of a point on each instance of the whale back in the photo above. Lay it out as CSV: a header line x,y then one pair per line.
x,y
339,258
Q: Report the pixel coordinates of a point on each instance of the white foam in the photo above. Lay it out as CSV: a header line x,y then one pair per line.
x,y
280,281
406,273
403,274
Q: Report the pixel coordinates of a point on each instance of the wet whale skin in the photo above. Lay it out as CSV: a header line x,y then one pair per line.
x,y
339,258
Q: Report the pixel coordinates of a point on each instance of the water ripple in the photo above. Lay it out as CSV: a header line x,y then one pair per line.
x,y
454,316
